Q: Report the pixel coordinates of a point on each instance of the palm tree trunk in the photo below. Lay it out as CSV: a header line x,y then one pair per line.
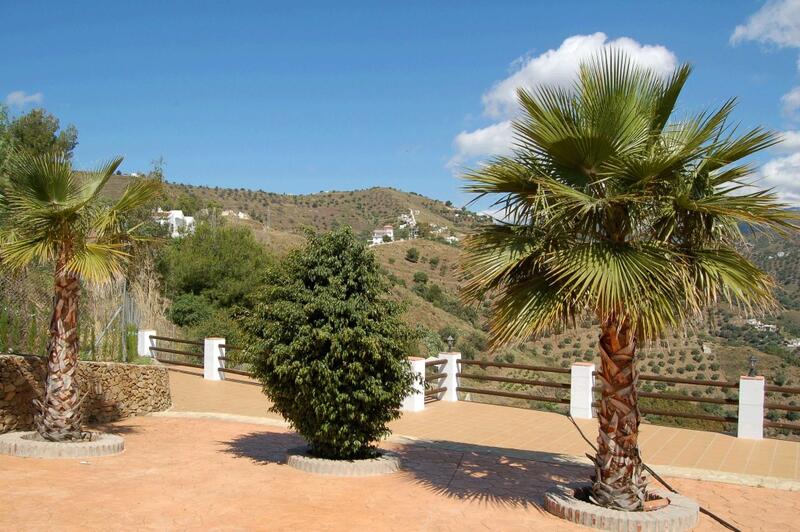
x,y
618,481
59,416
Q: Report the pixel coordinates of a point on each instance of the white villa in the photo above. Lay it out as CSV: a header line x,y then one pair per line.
x,y
240,215
378,234
758,325
178,223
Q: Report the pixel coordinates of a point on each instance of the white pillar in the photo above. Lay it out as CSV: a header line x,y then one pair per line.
x,y
212,350
751,408
415,401
580,390
451,367
144,342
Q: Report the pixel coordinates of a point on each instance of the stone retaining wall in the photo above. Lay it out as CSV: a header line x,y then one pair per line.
x,y
112,390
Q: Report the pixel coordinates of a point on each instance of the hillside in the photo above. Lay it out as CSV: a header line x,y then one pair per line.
x,y
363,210
718,350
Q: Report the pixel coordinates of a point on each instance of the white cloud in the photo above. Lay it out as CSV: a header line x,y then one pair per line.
x,y
790,142
791,102
554,67
777,22
495,140
21,98
783,174
559,67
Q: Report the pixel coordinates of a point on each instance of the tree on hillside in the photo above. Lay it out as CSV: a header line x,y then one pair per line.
x,y
48,214
4,140
37,133
330,346
221,264
617,212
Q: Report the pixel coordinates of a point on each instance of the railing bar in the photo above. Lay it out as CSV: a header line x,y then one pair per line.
x,y
779,406
174,363
726,419
718,384
679,397
548,384
178,340
511,395
176,351
435,362
781,389
787,426
435,391
514,366
237,371
435,376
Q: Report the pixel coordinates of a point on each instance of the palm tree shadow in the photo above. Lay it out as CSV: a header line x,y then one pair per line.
x,y
490,475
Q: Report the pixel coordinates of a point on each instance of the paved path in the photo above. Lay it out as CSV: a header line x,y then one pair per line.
x,y
205,474
530,433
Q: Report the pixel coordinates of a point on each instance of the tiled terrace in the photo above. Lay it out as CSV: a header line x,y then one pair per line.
x,y
521,432
467,466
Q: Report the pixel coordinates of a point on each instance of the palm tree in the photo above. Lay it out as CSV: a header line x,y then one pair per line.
x,y
615,212
50,214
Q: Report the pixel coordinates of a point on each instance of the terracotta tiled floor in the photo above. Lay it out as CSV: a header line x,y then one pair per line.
x,y
201,474
525,430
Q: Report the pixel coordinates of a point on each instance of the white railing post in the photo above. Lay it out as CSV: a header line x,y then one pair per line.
x,y
580,390
451,367
415,401
212,350
751,408
144,342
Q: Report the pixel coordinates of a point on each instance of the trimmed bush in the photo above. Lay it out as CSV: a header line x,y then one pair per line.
x,y
329,345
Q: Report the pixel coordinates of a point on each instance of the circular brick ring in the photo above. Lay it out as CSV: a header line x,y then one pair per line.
x,y
681,513
25,444
385,463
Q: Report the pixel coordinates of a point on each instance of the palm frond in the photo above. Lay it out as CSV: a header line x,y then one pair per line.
x,y
617,210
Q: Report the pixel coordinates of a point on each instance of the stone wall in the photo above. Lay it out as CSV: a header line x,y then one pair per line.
x,y
111,390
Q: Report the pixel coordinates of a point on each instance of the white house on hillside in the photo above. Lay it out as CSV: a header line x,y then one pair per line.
x,y
240,215
178,223
378,234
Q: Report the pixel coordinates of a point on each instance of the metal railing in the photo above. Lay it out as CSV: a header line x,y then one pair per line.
x,y
155,350
781,407
722,385
233,370
433,379
512,380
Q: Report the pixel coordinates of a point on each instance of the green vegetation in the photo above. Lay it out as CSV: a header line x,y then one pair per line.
x,y
34,133
614,208
52,216
329,345
207,274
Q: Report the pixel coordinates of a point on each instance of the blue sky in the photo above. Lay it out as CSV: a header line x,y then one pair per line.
x,y
301,97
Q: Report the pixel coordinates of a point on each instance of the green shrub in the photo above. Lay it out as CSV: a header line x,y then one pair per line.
x,y
420,277
189,309
412,255
329,345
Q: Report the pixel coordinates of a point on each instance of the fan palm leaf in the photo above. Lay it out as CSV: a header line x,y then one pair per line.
x,y
50,214
613,209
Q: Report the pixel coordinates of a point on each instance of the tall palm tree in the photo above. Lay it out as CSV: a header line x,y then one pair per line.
x,y
616,212
50,214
